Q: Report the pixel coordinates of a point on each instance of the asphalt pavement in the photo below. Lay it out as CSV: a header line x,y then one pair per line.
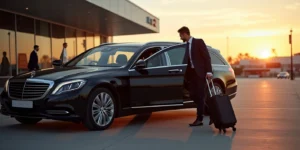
x,y
267,111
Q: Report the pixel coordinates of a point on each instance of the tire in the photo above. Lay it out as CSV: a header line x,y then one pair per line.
x,y
101,110
219,90
31,121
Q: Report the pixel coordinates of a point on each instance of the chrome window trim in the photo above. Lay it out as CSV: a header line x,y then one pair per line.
x,y
156,106
158,67
51,84
185,102
165,54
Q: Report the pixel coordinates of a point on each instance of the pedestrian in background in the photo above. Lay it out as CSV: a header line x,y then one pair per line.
x,y
64,54
33,64
5,65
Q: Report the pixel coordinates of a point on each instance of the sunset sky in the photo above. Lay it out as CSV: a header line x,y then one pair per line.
x,y
254,26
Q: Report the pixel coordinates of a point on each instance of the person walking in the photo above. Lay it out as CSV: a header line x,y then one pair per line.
x,y
5,65
64,54
33,64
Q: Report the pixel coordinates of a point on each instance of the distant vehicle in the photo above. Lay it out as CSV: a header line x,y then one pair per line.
x,y
107,82
283,75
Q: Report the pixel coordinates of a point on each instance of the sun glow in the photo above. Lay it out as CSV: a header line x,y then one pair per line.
x,y
265,54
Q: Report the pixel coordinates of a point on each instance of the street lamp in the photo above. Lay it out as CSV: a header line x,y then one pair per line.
x,y
292,68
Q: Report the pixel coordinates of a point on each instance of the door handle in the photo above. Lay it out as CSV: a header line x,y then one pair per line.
x,y
175,70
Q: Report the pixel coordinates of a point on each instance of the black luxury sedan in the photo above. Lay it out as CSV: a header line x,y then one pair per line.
x,y
109,81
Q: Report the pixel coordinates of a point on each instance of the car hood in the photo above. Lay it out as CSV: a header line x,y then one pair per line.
x,y
61,73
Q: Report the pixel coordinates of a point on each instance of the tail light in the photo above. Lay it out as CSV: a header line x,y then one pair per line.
x,y
232,71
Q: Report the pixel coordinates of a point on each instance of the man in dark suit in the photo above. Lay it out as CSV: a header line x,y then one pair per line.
x,y
34,59
198,69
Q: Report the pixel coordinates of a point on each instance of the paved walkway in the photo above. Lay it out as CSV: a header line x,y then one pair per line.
x,y
268,118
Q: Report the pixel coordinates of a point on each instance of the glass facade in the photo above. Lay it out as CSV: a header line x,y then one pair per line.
x,y
25,41
71,41
58,39
7,44
104,39
81,42
19,34
97,40
42,38
89,40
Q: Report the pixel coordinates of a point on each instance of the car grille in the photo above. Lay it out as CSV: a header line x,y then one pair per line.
x,y
28,90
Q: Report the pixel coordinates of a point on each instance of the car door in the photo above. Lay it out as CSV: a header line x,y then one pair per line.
x,y
158,84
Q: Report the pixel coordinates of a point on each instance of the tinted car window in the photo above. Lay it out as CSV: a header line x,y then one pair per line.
x,y
215,60
176,55
157,60
105,56
149,52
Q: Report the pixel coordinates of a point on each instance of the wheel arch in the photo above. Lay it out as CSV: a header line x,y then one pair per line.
x,y
114,92
221,83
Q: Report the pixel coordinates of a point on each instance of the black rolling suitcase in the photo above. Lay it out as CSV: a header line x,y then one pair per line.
x,y
221,111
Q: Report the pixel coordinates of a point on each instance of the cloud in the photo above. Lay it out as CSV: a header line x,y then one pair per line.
x,y
294,6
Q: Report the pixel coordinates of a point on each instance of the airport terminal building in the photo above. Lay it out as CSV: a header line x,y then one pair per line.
x,y
82,24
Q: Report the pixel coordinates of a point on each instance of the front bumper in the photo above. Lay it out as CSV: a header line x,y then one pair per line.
x,y
68,107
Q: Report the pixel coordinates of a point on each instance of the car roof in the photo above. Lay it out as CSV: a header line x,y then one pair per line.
x,y
123,44
155,43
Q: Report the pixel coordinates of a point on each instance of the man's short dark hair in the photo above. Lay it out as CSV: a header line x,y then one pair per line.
x,y
4,53
184,29
35,46
65,43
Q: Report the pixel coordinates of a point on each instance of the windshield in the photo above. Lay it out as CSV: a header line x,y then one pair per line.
x,y
105,56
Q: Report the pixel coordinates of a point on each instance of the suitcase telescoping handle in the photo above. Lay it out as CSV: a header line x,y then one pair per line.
x,y
213,86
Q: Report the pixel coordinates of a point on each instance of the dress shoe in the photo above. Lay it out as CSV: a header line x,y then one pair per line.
x,y
196,123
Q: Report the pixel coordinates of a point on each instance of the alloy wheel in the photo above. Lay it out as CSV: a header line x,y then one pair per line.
x,y
103,109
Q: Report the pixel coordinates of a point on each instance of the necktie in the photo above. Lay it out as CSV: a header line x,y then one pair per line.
x,y
186,58
189,54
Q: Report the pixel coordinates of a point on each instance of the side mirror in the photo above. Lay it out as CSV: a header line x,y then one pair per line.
x,y
140,64
57,63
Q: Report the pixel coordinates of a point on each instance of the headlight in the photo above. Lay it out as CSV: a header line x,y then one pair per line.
x,y
68,86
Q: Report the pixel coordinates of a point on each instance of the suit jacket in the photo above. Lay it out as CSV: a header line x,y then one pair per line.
x,y
33,61
200,58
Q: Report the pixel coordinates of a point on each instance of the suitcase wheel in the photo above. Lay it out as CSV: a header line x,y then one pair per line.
x,y
234,129
224,130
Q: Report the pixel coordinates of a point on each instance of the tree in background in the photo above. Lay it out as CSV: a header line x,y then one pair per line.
x,y
230,60
240,57
246,56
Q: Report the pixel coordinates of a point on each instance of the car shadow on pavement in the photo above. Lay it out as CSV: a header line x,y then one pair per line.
x,y
49,126
69,127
